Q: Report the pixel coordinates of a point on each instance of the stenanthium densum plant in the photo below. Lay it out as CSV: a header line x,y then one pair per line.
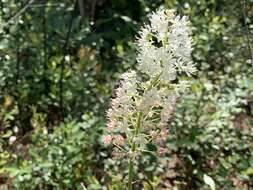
x,y
146,98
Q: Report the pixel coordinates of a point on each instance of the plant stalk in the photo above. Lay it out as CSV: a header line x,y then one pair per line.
x,y
130,175
137,129
133,147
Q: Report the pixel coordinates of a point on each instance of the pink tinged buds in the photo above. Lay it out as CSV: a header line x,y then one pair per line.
x,y
119,140
111,125
161,151
115,103
164,134
160,137
107,139
168,109
117,154
153,134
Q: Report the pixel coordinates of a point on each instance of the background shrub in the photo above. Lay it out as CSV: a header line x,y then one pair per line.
x,y
59,64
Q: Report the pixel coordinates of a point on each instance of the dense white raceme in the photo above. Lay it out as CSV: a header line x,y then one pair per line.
x,y
165,46
146,99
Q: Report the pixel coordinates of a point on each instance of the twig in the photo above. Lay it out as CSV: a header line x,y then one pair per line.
x,y
119,147
81,9
247,32
35,5
43,12
17,62
18,14
93,10
65,49
44,5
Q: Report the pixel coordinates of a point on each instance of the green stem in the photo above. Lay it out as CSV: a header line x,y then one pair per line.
x,y
154,81
137,129
133,147
149,183
130,175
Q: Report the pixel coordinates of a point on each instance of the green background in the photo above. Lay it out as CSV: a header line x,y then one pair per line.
x,y
59,64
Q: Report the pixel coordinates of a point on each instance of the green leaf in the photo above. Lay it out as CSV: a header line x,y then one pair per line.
x,y
209,181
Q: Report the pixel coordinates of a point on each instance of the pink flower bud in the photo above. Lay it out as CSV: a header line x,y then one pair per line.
x,y
161,151
164,134
153,134
107,139
119,140
111,125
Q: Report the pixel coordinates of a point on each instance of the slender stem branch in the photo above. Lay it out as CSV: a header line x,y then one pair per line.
x,y
143,150
154,81
119,147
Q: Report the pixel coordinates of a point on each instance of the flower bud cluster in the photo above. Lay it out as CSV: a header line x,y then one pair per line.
x,y
146,98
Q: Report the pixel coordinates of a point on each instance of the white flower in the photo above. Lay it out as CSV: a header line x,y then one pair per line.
x,y
144,104
149,99
12,139
164,46
159,24
122,106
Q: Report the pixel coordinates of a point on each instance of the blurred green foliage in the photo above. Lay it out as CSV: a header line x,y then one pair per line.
x,y
60,62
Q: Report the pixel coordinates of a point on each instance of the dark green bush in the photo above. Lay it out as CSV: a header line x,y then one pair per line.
x,y
58,159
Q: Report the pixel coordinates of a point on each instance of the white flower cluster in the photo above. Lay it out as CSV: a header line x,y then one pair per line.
x,y
122,107
146,99
165,46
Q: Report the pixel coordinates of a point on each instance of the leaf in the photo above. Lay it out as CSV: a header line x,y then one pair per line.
x,y
126,18
7,134
209,181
